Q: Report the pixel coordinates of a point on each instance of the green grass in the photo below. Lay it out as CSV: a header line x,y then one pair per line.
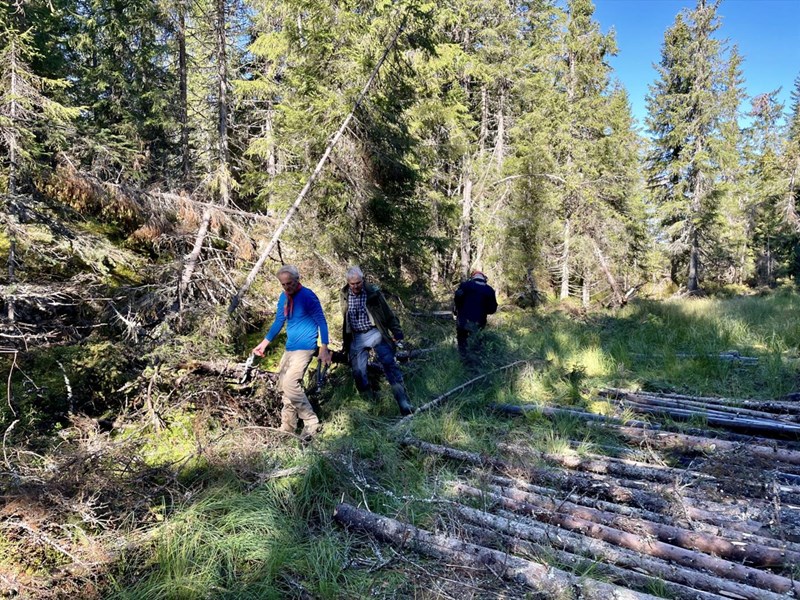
x,y
228,540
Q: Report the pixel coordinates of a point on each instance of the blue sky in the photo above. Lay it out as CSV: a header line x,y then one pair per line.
x,y
766,31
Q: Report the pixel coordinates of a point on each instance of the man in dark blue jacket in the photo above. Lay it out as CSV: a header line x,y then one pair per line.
x,y
474,299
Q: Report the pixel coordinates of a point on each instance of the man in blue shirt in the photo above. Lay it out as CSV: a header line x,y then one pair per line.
x,y
300,309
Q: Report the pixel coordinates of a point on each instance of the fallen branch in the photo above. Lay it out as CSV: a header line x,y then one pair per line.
x,y
548,580
437,401
237,298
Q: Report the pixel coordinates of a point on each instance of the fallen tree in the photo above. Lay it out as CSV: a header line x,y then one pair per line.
x,y
540,577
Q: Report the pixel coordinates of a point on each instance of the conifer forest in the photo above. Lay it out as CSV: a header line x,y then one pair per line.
x,y
630,426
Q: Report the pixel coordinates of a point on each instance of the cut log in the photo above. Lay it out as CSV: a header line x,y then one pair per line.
x,y
225,368
750,425
440,399
576,544
683,442
774,406
645,545
744,552
608,465
617,575
698,405
549,411
719,524
548,580
607,488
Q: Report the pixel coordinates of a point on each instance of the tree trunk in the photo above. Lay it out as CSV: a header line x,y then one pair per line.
x,y
223,171
466,223
712,404
683,442
619,299
600,550
609,489
565,264
183,90
767,406
645,545
550,581
720,521
693,281
499,144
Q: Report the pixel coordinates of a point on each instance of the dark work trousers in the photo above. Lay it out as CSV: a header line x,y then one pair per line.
x,y
468,341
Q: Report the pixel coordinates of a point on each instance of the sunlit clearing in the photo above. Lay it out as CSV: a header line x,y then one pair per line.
x,y
594,362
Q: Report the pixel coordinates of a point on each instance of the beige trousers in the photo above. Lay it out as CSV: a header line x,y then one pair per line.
x,y
290,381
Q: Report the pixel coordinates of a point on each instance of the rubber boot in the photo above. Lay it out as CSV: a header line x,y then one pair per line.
x,y
402,399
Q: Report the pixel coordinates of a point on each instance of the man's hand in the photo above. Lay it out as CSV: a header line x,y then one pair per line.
x,y
400,345
325,355
259,350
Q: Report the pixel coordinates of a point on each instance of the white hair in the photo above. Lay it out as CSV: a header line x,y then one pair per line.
x,y
291,270
354,271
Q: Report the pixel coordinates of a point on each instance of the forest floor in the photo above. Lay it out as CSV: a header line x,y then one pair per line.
x,y
649,451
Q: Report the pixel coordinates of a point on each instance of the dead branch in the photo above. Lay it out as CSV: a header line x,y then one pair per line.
x,y
438,400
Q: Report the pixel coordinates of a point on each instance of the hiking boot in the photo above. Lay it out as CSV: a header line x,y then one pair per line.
x,y
310,430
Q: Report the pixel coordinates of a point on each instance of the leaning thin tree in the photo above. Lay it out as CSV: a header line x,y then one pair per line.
x,y
237,298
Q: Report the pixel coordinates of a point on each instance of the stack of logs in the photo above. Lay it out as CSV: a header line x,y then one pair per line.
x,y
645,526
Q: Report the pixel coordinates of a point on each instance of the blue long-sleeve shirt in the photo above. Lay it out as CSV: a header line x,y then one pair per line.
x,y
305,321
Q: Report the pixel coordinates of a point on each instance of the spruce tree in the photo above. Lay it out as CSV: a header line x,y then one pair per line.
x,y
686,106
